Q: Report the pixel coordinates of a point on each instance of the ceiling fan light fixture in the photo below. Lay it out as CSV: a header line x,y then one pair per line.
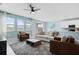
x,y
32,9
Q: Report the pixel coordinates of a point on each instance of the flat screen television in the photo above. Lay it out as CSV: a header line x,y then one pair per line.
x,y
71,27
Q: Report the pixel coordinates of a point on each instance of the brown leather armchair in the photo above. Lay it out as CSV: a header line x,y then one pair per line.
x,y
64,48
23,37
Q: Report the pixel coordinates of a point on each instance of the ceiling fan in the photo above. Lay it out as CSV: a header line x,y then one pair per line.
x,y
32,9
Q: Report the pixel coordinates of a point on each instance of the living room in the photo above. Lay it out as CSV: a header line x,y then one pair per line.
x,y
40,32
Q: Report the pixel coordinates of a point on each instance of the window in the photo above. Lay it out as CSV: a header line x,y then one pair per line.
x,y
10,22
20,25
40,27
28,27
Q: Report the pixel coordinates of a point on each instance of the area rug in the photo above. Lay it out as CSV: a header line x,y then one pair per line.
x,y
22,48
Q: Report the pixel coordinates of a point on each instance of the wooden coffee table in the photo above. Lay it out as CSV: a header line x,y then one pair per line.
x,y
33,42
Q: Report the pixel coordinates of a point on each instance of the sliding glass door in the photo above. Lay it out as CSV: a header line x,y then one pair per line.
x,y
10,22
28,28
20,25
16,23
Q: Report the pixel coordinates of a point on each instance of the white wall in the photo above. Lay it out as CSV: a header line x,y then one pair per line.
x,y
48,11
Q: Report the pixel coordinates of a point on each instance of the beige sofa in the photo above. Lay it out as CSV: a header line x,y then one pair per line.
x,y
45,36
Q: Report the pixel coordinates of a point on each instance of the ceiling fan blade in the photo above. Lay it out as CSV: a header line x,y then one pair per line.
x,y
37,9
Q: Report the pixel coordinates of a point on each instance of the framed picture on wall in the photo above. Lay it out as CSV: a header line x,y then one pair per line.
x,y
71,27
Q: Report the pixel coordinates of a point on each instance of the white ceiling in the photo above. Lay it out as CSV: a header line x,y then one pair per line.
x,y
48,12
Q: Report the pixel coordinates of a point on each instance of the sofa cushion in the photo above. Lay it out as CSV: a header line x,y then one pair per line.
x,y
48,33
57,38
41,33
64,38
45,36
70,39
55,33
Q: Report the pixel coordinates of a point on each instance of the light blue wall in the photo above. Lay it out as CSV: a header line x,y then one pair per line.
x,y
53,26
56,26
49,26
